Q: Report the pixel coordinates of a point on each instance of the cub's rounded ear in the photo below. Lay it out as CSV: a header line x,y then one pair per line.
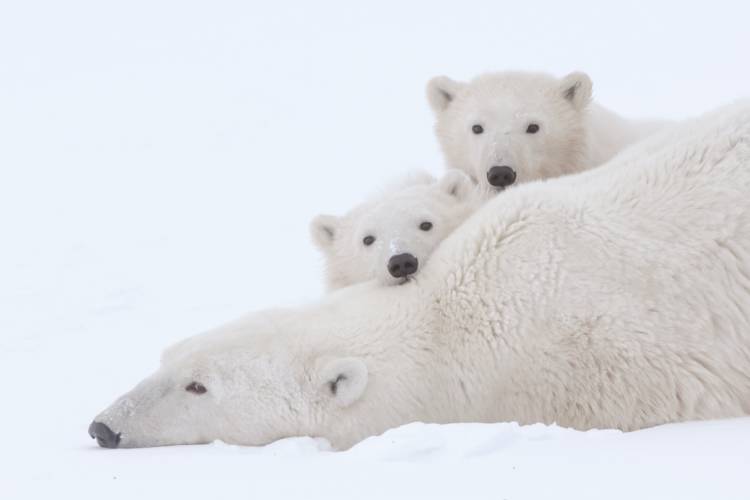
x,y
457,184
344,380
323,229
441,90
577,88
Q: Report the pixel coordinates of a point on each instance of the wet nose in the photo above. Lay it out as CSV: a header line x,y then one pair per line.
x,y
103,435
501,176
402,265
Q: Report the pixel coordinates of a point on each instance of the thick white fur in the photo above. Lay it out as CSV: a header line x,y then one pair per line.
x,y
616,298
575,134
393,218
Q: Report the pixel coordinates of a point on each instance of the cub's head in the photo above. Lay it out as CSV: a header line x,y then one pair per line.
x,y
511,127
391,237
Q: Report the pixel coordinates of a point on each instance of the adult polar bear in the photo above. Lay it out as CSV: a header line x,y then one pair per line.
x,y
616,298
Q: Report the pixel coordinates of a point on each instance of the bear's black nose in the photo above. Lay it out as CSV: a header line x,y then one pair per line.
x,y
103,435
402,265
502,176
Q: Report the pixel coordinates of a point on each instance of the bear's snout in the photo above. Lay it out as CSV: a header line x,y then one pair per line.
x,y
402,265
501,176
104,435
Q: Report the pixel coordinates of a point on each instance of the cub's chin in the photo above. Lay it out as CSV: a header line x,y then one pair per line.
x,y
391,281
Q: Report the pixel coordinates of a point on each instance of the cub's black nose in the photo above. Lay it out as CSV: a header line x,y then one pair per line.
x,y
402,265
103,435
502,176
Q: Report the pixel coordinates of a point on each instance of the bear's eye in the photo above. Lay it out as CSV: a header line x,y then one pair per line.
x,y
425,226
368,240
196,388
477,129
533,128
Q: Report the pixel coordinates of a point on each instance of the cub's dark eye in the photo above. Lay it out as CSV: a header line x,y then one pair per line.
x,y
477,129
368,240
425,226
533,128
196,388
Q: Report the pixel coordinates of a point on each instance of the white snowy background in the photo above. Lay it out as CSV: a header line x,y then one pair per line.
x,y
159,164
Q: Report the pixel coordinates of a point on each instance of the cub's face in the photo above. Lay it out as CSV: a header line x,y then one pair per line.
x,y
390,239
508,128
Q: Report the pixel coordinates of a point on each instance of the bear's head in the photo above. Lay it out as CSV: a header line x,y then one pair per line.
x,y
244,385
511,127
391,237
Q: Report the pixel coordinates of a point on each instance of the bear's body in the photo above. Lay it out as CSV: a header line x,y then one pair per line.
x,y
389,237
616,299
534,124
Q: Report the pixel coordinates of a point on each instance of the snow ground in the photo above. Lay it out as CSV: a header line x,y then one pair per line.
x,y
159,164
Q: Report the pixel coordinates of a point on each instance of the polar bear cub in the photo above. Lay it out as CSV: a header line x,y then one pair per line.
x,y
391,235
507,127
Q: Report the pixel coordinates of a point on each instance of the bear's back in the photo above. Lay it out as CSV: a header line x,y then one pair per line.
x,y
623,286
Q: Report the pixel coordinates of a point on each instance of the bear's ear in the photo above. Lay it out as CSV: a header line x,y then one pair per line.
x,y
323,229
441,90
344,380
576,88
457,184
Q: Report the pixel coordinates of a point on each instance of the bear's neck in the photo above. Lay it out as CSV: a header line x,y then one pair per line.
x,y
607,133
397,332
